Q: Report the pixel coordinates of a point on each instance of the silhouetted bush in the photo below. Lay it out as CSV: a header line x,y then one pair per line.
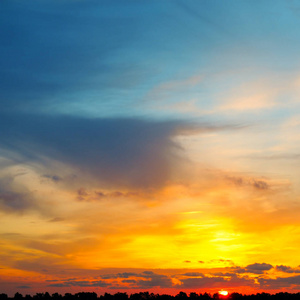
x,y
150,296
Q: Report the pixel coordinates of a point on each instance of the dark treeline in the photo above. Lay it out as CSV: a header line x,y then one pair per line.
x,y
151,296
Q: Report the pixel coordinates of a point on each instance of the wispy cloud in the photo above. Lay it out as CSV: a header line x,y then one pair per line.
x,y
14,198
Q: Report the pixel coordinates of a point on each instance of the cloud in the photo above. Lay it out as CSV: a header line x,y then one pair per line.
x,y
193,274
206,282
56,219
84,194
120,275
261,185
154,280
150,279
189,280
130,152
221,274
239,270
116,151
80,283
12,201
258,184
81,194
129,281
222,261
280,282
58,285
90,195
143,280
54,178
14,198
258,268
287,269
216,281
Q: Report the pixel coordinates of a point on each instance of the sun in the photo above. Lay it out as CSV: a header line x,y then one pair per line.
x,y
223,293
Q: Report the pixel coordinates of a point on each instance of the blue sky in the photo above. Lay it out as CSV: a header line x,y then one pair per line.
x,y
103,59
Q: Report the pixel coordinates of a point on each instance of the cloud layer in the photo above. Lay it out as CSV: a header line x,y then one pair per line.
x,y
130,152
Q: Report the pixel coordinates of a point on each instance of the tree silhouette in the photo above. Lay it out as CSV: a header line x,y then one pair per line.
x,y
150,296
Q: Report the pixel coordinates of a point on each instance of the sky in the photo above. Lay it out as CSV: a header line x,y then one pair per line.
x,y
149,146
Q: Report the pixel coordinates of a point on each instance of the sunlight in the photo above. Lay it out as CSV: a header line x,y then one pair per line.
x,y
223,293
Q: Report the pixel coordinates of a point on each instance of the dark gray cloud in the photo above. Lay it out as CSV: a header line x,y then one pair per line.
x,y
143,280
130,152
222,274
129,281
258,268
58,285
193,274
206,282
216,281
258,184
280,282
239,270
120,275
150,279
13,198
154,280
12,201
54,178
287,269
80,283
127,275
91,195
82,194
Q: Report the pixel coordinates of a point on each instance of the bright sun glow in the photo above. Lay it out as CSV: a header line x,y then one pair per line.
x,y
223,293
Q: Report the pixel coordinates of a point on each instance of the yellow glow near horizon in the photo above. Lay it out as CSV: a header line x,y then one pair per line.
x,y
223,293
